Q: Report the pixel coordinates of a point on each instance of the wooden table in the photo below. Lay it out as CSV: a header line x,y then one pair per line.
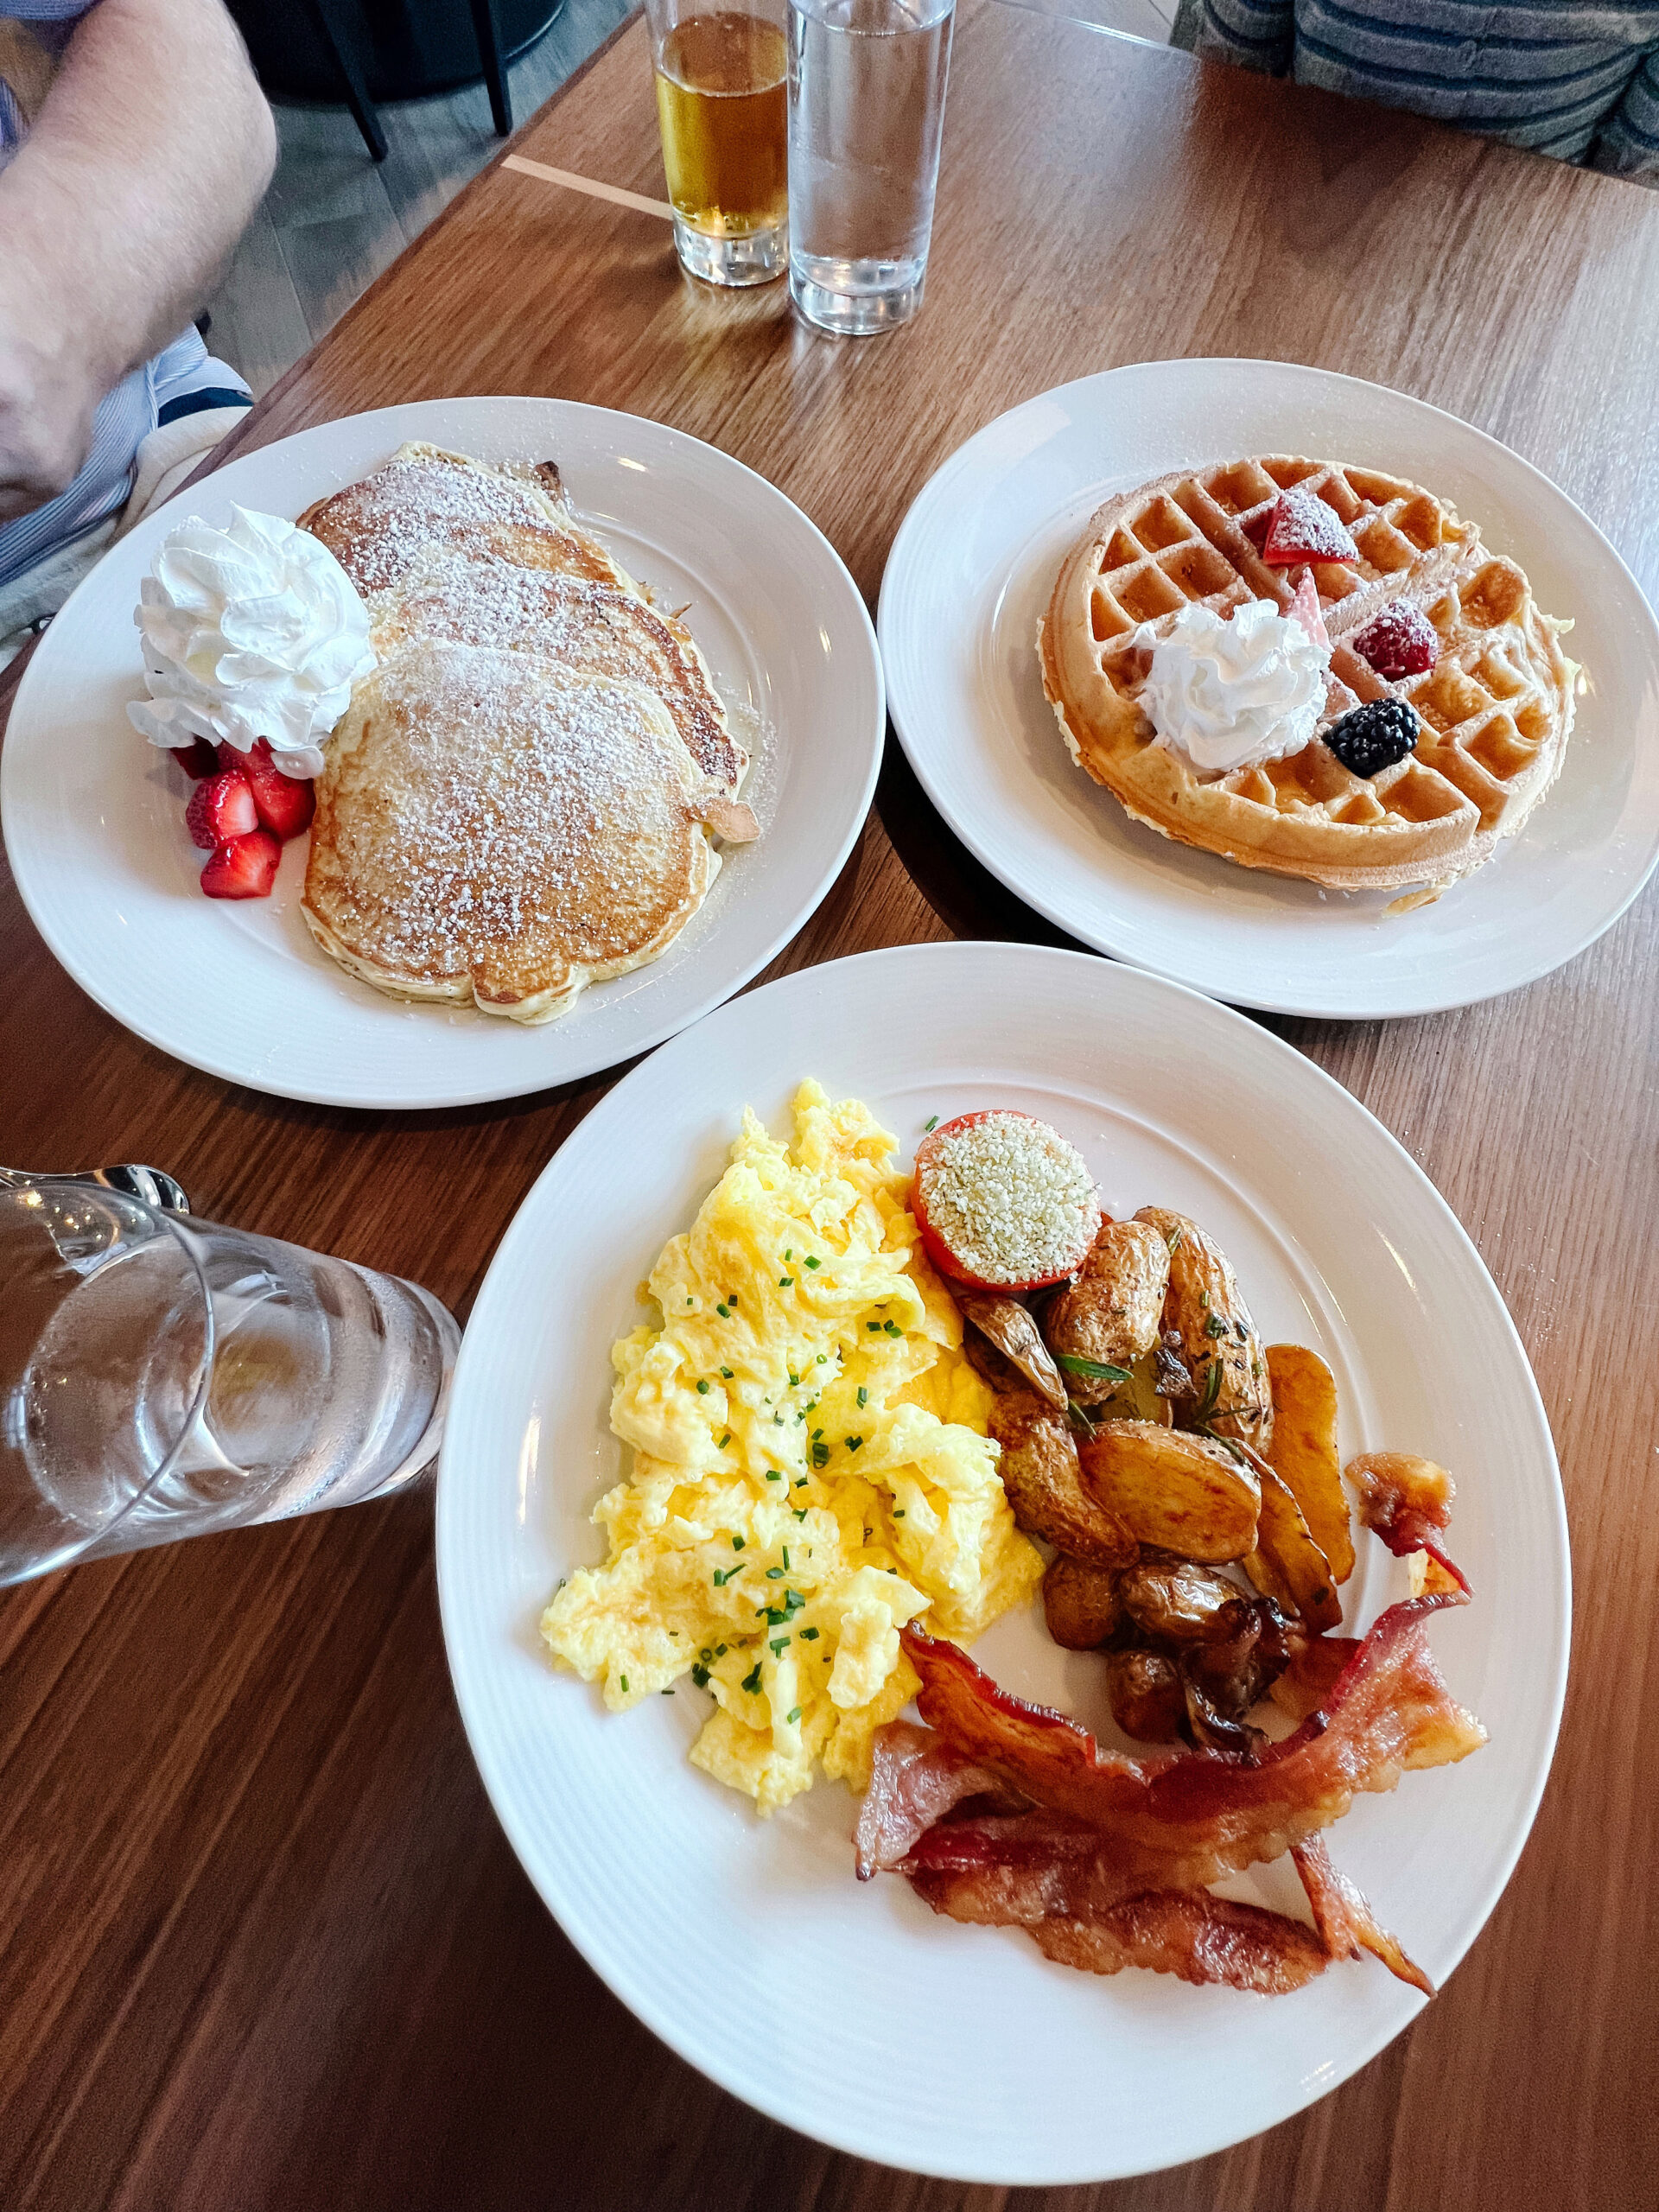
x,y
264,1944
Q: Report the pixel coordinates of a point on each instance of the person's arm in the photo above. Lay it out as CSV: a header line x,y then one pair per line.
x,y
1627,142
149,153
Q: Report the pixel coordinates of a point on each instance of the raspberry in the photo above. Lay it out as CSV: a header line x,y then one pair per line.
x,y
1368,739
1303,527
1400,641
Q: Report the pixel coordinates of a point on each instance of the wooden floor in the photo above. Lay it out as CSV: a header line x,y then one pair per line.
x,y
332,219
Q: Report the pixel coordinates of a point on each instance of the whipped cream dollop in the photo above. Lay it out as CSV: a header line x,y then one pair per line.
x,y
1229,694
254,631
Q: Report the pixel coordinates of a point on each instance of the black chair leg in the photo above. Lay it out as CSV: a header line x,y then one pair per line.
x,y
495,75
325,18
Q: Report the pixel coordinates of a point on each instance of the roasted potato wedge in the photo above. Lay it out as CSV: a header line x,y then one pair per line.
x,y
1040,1473
1218,1340
1110,1316
1302,1450
1287,1564
1007,1325
1180,1493
1080,1603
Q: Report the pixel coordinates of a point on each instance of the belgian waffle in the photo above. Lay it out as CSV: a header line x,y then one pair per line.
x,y
1495,710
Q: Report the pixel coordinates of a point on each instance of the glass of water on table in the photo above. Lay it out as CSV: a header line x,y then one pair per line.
x,y
162,1377
867,81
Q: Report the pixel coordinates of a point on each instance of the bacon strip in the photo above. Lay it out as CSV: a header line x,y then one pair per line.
x,y
1183,1932
1344,1918
915,1779
1105,1860
1183,1819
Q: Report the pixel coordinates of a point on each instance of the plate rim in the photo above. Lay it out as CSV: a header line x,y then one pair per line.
x,y
1403,1004
442,1097
471,1694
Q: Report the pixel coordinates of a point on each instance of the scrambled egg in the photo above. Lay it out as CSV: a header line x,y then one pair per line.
x,y
811,1470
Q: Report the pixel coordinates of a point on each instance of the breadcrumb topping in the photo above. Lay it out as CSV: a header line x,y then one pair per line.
x,y
1011,1199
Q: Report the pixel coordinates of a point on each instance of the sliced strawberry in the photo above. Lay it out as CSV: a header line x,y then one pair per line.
x,y
1301,527
1400,641
286,803
244,868
1305,606
220,808
199,757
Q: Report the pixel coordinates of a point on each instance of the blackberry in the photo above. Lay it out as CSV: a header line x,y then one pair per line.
x,y
1368,739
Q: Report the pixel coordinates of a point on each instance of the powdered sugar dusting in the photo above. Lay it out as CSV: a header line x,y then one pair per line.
x,y
379,529
506,818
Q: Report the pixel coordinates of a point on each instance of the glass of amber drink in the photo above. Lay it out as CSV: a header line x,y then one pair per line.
x,y
723,108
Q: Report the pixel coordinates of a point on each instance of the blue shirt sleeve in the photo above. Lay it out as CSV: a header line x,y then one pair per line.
x,y
1254,33
1627,142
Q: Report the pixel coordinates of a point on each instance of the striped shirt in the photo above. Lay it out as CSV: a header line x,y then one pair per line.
x,y
183,380
1570,78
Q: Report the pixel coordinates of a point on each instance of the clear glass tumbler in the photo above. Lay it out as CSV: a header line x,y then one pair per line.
x,y
867,81
160,1376
721,105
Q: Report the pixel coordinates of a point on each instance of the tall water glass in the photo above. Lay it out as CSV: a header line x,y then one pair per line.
x,y
160,1376
867,83
721,102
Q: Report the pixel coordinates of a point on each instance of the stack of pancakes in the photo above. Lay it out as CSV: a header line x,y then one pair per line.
x,y
520,799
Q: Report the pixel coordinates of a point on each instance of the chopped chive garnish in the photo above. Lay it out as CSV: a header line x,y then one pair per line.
x,y
863,1395
752,1679
699,1675
778,1644
800,1482
703,1388
809,1636
737,1544
898,1512
724,1441
800,1511
624,1685
726,1372
774,1574
786,1555
724,1311
893,1328
931,1122
721,1650
794,1715
822,1360
854,1442
776,1615
820,1455
794,1380
811,1262
783,1281
777,1420
789,1255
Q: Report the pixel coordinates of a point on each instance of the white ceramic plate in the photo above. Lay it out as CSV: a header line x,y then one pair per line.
x,y
846,2009
94,817
970,576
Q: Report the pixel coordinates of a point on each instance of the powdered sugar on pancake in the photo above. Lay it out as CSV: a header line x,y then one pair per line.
x,y
492,824
582,624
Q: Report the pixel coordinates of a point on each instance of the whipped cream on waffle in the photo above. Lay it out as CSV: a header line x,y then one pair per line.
x,y
254,631
1230,694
